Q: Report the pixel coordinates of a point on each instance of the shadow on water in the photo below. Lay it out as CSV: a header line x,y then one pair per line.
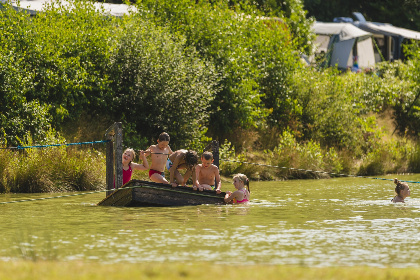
x,y
332,222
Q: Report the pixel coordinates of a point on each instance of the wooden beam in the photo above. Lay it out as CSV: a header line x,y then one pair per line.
x,y
113,157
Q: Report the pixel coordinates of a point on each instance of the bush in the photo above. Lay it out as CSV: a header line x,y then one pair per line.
x,y
394,156
160,85
253,57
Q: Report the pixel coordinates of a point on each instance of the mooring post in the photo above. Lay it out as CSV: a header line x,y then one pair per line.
x,y
215,151
113,157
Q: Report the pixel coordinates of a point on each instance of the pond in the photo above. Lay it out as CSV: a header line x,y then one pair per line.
x,y
330,222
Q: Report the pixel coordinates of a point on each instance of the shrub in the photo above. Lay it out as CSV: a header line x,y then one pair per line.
x,y
159,84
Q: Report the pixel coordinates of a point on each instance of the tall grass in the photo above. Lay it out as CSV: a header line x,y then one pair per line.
x,y
51,170
292,159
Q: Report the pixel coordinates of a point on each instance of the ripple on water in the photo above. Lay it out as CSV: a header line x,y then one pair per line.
x,y
337,222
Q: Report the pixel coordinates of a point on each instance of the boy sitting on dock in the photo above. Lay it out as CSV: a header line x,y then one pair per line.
x,y
207,174
159,153
182,159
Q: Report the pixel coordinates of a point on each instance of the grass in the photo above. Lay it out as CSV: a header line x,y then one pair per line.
x,y
51,270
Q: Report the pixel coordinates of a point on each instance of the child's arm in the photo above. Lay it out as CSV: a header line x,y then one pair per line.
x,y
218,181
148,152
196,184
172,170
194,175
230,196
144,166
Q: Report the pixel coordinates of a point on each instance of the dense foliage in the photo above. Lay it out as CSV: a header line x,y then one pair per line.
x,y
226,70
55,67
254,56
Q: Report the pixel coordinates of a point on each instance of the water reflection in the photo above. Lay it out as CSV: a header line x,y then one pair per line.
x,y
347,221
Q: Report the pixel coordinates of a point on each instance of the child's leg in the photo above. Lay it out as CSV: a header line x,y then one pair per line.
x,y
156,177
178,177
186,176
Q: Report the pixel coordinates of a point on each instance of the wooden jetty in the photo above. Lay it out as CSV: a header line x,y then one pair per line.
x,y
137,193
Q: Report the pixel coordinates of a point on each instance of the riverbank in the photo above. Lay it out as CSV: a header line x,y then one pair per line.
x,y
51,270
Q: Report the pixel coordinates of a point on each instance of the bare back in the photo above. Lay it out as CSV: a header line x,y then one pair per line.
x,y
178,159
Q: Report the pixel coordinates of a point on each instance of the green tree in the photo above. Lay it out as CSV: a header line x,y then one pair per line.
x,y
407,107
160,85
291,15
18,116
251,53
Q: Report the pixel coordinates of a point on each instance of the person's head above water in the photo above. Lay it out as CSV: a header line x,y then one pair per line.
x,y
402,189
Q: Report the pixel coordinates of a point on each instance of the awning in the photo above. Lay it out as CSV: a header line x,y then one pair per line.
x,y
345,31
388,30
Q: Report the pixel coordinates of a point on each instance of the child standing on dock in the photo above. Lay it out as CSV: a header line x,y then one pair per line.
x,y
182,159
159,153
207,174
128,164
242,194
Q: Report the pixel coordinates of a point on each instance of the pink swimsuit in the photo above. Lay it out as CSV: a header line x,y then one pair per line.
x,y
127,174
245,198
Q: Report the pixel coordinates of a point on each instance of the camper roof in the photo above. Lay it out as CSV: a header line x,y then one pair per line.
x,y
388,30
345,31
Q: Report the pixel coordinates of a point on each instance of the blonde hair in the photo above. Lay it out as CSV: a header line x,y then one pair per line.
x,y
130,151
242,177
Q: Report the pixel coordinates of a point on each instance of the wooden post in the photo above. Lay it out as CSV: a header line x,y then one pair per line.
x,y
113,157
215,151
109,166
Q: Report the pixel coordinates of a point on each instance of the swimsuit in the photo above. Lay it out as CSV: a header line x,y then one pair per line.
x,y
168,164
152,171
243,200
127,174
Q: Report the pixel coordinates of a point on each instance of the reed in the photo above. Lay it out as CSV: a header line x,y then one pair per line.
x,y
51,170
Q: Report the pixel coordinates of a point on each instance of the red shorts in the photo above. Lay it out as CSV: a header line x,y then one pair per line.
x,y
152,171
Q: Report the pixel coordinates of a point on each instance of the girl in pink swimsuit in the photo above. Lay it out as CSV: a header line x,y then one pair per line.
x,y
129,165
242,194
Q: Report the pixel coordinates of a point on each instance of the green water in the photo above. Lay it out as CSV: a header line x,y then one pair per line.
x,y
334,222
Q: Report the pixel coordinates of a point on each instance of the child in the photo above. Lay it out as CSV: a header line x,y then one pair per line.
x,y
159,155
182,159
129,165
207,173
241,195
402,190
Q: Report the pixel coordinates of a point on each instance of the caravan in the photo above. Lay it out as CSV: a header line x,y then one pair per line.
x,y
344,45
388,39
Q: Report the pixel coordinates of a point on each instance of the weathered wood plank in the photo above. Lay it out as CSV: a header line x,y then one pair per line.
x,y
138,193
114,151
